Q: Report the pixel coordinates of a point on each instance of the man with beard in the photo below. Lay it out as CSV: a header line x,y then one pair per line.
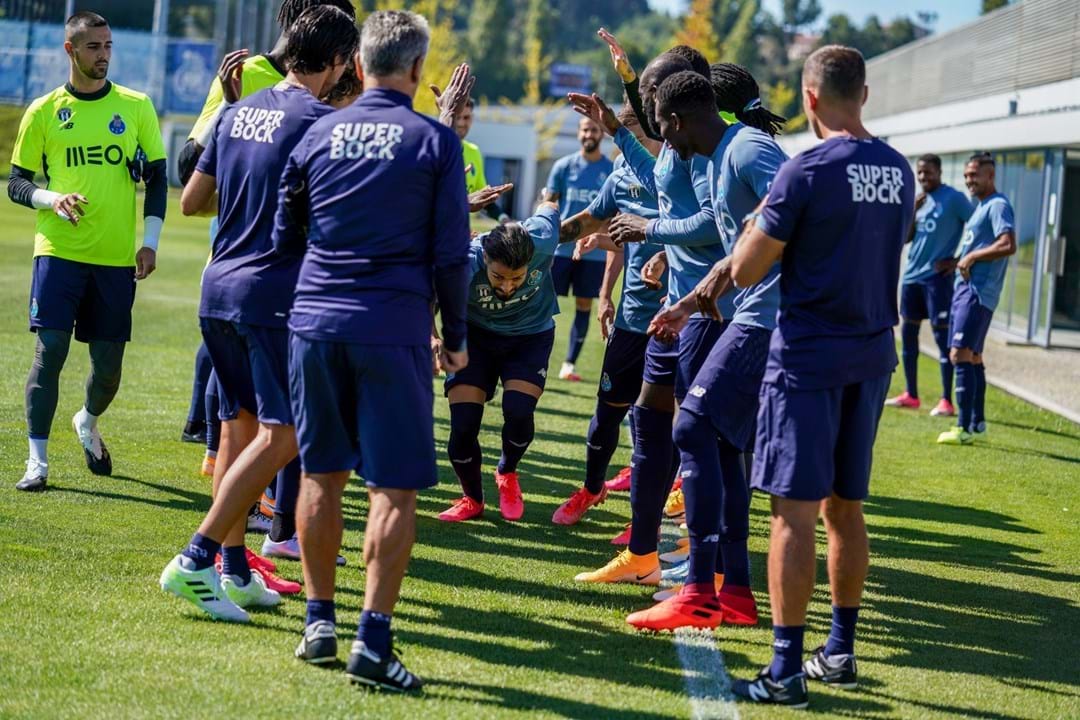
x,y
574,182
94,141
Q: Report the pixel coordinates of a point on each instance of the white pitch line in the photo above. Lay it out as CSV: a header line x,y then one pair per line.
x,y
707,681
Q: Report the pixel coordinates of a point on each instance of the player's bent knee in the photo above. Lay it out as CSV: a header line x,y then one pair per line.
x,y
517,405
691,432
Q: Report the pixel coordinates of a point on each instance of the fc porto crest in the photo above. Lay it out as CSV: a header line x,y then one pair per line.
x,y
63,115
33,308
117,126
605,382
534,277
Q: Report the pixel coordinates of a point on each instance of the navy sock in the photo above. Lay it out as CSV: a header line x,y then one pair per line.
x,y
651,477
909,351
374,631
965,393
578,331
842,635
978,407
203,368
633,432
321,610
286,490
283,526
702,487
735,518
519,427
201,551
787,651
213,419
234,562
601,442
941,337
463,447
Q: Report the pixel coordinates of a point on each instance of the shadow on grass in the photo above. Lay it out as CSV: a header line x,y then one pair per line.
x,y
1035,428
184,500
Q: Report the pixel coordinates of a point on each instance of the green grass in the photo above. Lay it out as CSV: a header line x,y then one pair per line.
x,y
971,605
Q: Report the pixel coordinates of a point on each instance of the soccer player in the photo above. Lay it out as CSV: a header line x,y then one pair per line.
x,y
511,330
475,179
687,227
989,240
245,307
716,419
837,217
94,141
927,287
574,182
624,328
374,198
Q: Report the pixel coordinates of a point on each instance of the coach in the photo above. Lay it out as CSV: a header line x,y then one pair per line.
x,y
374,198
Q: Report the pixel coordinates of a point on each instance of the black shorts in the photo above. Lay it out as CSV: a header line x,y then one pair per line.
x,y
584,276
494,357
624,367
95,300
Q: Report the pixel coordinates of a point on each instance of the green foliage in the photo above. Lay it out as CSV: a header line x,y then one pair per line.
x,y
991,5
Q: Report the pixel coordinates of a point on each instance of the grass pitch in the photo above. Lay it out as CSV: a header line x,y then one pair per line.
x,y
971,604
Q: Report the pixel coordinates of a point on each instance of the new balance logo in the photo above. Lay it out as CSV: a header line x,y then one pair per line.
x,y
93,155
698,391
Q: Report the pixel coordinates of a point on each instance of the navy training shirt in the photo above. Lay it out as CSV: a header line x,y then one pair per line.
x,y
577,182
992,217
533,306
624,193
939,224
246,280
381,191
843,209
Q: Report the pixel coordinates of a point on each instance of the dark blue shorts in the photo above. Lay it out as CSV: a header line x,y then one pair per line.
x,y
624,367
928,299
585,277
970,320
661,362
367,408
252,365
814,443
696,341
494,357
726,388
96,300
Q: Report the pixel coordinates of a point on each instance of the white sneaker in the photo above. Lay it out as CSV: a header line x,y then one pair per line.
x,y
568,372
258,523
36,477
286,549
254,594
202,588
98,460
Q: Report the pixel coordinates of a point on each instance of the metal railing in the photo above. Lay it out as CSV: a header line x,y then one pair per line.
x,y
1030,43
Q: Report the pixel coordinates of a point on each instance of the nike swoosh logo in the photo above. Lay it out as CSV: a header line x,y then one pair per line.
x,y
642,577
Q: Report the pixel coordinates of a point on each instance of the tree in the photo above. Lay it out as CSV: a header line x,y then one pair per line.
x,y
488,42
839,30
899,32
699,29
740,43
539,23
799,13
992,5
872,40
444,52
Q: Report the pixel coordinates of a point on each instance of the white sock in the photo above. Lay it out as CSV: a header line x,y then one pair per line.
x,y
39,450
85,420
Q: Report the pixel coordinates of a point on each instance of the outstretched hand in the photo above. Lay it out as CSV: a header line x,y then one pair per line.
x,y
452,100
618,57
487,195
594,108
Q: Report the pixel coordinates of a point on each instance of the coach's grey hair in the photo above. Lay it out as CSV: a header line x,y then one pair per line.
x,y
392,40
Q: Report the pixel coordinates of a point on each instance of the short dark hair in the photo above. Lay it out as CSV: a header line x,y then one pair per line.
x,y
838,72
348,86
982,158
80,21
693,56
509,244
291,10
737,92
319,38
687,94
931,159
470,103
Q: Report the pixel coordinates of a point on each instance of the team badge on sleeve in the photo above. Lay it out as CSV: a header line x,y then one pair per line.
x,y
63,114
117,126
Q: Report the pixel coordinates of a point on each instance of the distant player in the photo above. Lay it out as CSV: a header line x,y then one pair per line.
x,y
623,328
94,141
511,330
574,182
716,419
475,178
926,290
245,307
374,199
837,217
989,240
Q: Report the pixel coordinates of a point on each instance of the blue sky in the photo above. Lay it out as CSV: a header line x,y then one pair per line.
x,y
950,14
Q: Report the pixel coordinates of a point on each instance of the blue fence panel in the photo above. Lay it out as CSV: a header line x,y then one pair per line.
x,y
14,38
190,68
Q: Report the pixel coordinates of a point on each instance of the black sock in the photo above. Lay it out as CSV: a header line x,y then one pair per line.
x,y
601,443
283,526
463,447
909,351
651,476
941,337
578,331
518,429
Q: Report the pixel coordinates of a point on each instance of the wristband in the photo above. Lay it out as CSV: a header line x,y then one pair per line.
x,y
43,199
152,232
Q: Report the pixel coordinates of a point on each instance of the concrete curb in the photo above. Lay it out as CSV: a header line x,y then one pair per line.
x,y
1013,389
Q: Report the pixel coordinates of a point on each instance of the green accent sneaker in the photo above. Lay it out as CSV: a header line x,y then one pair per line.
x,y
955,436
202,588
254,594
